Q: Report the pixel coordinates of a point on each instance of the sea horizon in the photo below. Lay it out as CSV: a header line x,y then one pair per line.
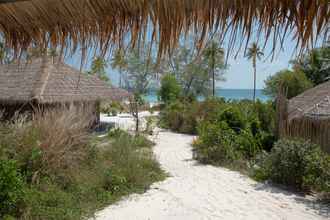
x,y
228,94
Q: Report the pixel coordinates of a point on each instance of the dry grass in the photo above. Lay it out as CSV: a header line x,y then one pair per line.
x,y
58,139
66,174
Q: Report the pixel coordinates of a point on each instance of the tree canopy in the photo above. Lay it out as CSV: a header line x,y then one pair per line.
x,y
315,64
294,82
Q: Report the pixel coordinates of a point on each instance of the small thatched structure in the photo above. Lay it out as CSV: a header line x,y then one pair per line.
x,y
307,116
313,103
47,82
100,24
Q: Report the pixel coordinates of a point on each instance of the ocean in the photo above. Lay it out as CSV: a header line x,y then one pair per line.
x,y
233,94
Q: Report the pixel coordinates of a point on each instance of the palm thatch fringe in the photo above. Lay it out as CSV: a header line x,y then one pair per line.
x,y
101,24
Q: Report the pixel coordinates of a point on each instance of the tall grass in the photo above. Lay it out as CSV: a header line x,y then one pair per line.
x,y
65,173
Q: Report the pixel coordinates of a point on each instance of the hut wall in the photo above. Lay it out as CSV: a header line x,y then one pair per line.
x,y
315,130
10,111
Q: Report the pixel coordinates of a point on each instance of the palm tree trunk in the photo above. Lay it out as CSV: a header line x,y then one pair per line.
x,y
120,77
255,79
213,73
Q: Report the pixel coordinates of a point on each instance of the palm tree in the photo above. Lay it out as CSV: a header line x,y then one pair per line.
x,y
119,62
214,56
98,68
254,54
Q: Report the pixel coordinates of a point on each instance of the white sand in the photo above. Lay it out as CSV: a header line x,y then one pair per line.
x,y
205,192
126,121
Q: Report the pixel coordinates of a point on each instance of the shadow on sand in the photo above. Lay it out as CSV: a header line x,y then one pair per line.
x,y
320,207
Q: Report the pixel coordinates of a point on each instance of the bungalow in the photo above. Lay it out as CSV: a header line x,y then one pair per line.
x,y
314,103
48,82
308,116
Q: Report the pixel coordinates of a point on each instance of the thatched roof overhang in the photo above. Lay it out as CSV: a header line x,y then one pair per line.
x,y
72,24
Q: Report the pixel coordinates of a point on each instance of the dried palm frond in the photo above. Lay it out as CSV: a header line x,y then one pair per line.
x,y
101,24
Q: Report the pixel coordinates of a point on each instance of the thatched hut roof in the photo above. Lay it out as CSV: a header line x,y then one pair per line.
x,y
314,102
47,80
72,24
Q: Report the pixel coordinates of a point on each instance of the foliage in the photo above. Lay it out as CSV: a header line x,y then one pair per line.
x,y
98,68
133,165
233,117
215,144
229,132
61,173
112,108
140,68
180,117
119,62
254,53
295,83
193,71
213,58
315,64
11,188
170,89
298,164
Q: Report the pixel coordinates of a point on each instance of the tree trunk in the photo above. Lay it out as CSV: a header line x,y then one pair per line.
x,y
255,79
137,122
120,76
213,75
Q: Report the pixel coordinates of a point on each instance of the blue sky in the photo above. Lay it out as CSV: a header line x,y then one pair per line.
x,y
239,75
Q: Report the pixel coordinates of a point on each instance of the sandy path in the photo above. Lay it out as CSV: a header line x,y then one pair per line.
x,y
204,192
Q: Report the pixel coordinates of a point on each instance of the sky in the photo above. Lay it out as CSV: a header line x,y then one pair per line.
x,y
239,74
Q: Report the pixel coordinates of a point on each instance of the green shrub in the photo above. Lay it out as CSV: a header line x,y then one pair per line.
x,y
133,166
247,144
295,82
170,89
11,188
215,144
232,116
180,117
296,163
60,172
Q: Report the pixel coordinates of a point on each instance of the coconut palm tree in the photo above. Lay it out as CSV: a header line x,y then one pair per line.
x,y
214,56
254,54
98,68
119,62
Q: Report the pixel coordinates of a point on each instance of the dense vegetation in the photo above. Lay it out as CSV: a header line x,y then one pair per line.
x,y
52,168
241,135
295,163
294,82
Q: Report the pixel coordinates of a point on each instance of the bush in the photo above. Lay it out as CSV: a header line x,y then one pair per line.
x,y
63,172
11,188
299,164
215,144
53,142
170,89
233,118
296,82
133,166
180,117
